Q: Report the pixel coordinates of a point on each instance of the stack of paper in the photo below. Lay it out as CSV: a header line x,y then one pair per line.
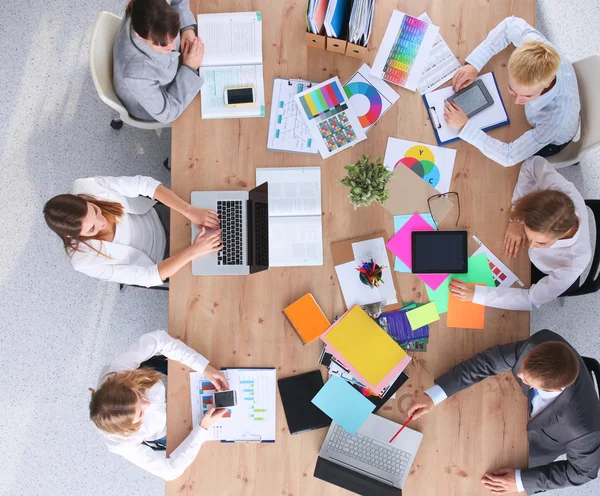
x,y
315,15
370,354
336,18
361,22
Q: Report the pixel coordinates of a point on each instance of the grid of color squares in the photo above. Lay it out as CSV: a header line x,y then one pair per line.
x,y
337,131
324,102
499,276
403,54
248,395
207,391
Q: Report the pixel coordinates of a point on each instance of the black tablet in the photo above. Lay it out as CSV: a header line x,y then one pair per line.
x,y
439,252
473,99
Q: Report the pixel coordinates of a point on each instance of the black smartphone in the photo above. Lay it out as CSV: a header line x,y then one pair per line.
x,y
225,399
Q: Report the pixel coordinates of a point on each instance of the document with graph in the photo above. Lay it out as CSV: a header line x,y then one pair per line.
x,y
252,420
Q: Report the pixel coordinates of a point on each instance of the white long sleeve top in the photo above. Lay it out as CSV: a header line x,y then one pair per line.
x,y
154,423
554,116
125,262
564,261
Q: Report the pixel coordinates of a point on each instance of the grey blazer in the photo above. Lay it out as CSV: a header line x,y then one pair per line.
x,y
151,85
569,425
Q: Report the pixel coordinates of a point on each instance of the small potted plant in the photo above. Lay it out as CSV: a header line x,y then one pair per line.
x,y
367,180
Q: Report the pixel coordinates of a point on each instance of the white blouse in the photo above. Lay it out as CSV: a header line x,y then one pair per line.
x,y
144,233
154,422
564,261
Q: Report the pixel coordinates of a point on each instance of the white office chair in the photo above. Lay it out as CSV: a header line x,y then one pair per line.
x,y
588,76
101,64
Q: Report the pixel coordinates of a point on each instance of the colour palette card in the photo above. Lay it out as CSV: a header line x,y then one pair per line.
x,y
404,50
502,275
370,97
330,118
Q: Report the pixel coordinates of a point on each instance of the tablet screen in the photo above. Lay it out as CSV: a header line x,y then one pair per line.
x,y
471,100
439,252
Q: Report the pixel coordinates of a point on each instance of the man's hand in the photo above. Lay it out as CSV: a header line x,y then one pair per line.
x,y
212,416
464,77
455,116
514,239
462,290
421,405
501,481
216,377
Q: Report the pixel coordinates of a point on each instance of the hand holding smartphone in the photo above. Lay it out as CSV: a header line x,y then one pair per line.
x,y
225,399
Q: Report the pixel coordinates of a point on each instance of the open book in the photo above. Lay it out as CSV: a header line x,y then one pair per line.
x,y
295,226
232,58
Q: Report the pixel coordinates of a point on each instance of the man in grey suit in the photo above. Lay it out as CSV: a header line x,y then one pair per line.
x,y
563,407
147,77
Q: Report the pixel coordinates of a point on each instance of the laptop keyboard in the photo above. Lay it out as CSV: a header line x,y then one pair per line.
x,y
369,451
230,215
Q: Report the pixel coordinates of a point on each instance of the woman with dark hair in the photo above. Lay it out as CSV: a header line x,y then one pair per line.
x,y
146,73
113,230
550,215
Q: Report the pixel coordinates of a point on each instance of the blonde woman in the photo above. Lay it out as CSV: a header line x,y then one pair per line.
x,y
129,406
112,229
539,78
550,215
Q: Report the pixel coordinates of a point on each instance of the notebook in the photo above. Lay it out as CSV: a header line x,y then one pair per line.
x,y
490,118
232,58
372,356
308,319
295,220
252,419
296,395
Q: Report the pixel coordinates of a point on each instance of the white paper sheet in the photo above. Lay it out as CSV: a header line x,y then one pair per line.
x,y
441,65
292,190
295,241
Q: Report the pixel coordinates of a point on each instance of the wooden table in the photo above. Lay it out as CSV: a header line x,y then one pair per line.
x,y
237,321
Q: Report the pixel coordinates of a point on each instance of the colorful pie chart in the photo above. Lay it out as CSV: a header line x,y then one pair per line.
x,y
421,161
366,101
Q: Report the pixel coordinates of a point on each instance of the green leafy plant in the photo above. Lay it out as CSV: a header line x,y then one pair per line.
x,y
367,180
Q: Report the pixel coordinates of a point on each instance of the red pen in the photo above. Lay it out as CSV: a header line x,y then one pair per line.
x,y
400,430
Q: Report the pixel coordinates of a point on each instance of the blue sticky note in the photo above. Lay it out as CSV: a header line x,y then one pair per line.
x,y
344,404
399,221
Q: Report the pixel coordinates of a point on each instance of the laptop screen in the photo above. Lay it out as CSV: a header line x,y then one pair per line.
x,y
258,228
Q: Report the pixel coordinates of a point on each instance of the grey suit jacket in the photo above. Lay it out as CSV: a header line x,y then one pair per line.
x,y
569,425
151,85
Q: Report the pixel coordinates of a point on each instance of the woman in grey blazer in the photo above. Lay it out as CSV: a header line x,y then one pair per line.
x,y
147,77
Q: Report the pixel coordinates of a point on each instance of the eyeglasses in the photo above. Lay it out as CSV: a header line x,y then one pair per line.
x,y
450,194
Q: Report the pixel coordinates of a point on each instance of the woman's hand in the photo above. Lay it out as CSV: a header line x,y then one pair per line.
x,y
462,290
189,35
514,239
464,77
203,217
193,52
211,417
207,243
455,116
216,377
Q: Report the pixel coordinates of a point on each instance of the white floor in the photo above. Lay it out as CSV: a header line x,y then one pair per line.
x,y
57,328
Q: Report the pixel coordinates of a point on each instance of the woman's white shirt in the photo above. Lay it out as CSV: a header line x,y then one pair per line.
x,y
564,261
154,422
135,261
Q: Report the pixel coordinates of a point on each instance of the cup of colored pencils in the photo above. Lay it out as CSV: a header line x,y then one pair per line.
x,y
370,273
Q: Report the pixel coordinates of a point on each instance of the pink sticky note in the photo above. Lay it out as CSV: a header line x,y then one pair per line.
x,y
401,245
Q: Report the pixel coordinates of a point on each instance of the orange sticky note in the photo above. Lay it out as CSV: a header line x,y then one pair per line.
x,y
465,314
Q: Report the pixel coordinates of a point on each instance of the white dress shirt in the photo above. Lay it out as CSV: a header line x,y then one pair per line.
x,y
542,400
554,116
125,262
154,422
144,233
564,261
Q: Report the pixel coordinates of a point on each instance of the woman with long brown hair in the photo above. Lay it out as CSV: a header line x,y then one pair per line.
x,y
550,215
129,406
113,229
147,76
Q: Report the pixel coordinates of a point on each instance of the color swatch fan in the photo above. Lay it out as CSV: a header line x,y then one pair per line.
x,y
404,50
330,118
370,97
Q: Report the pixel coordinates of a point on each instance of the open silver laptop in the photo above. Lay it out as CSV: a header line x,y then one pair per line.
x,y
366,462
244,217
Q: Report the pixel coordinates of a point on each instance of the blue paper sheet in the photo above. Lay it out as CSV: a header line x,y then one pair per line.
x,y
344,404
399,221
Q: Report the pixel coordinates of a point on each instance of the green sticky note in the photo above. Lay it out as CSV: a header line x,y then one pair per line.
x,y
422,316
440,295
259,16
479,271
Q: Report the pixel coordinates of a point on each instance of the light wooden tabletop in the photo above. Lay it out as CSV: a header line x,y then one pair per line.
x,y
237,321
